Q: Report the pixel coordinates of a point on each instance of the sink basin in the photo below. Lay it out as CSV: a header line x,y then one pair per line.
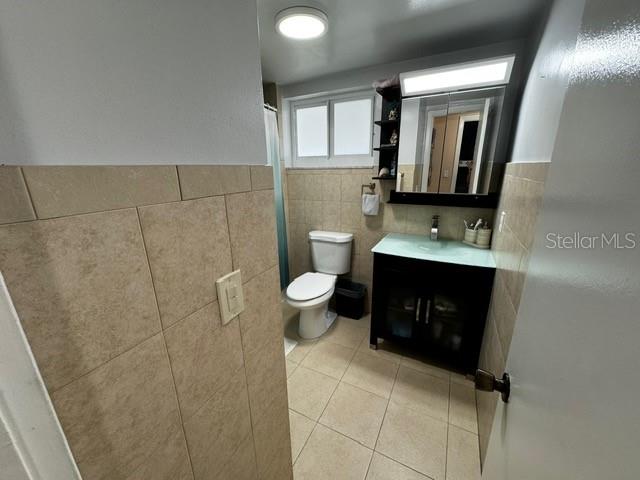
x,y
422,247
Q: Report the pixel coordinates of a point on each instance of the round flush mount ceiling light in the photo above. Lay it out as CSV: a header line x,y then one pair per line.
x,y
301,23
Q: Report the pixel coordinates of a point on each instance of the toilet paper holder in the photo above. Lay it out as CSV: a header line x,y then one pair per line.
x,y
371,186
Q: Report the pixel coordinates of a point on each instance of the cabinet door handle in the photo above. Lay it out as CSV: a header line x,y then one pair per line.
x,y
418,310
426,319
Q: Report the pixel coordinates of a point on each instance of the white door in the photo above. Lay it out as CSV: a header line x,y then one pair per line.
x,y
574,412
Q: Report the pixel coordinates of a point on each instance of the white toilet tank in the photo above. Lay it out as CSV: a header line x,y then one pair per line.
x,y
330,251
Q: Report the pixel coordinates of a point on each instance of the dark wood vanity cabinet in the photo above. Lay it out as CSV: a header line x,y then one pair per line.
x,y
437,309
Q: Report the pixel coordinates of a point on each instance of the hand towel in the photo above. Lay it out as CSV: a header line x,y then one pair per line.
x,y
370,204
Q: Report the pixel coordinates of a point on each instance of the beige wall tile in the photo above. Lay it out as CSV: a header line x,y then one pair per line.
x,y
261,177
502,313
532,171
122,418
330,215
487,403
491,359
252,227
296,186
529,199
15,205
331,188
208,180
82,289
273,443
266,378
313,213
509,253
350,214
59,191
163,464
188,248
204,356
296,211
394,218
419,219
261,320
241,465
313,187
350,188
219,428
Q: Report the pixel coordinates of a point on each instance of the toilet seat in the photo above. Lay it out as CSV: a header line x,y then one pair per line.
x,y
310,285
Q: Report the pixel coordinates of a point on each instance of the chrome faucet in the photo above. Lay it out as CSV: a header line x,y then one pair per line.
x,y
434,227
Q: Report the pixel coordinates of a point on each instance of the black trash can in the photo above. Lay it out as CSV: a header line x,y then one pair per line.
x,y
350,298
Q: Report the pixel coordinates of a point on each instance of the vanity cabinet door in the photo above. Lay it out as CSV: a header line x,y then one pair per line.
x,y
402,306
456,306
398,302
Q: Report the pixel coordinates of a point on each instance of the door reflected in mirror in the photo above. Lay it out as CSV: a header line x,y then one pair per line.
x,y
448,141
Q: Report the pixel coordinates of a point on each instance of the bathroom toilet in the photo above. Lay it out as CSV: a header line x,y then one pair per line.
x,y
311,291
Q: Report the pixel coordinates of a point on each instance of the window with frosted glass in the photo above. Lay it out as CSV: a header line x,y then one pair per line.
x,y
352,127
312,131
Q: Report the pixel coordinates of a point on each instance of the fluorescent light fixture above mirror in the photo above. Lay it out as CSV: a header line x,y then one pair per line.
x,y
482,73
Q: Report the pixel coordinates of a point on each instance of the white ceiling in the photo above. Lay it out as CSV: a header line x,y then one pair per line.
x,y
371,32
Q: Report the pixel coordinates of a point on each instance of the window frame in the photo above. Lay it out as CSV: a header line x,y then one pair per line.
x,y
331,160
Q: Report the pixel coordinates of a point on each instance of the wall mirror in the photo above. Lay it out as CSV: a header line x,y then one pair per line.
x,y
448,142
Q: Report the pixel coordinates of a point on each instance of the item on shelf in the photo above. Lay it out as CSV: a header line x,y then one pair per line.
x,y
393,140
477,234
384,172
470,235
392,171
484,237
393,114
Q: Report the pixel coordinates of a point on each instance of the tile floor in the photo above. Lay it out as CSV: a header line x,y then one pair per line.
x,y
357,413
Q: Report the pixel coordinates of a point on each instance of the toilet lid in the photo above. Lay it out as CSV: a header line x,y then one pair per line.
x,y
310,285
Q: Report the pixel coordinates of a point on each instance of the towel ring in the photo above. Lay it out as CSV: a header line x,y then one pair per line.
x,y
371,186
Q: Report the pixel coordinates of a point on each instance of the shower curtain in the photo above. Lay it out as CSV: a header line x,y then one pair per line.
x,y
273,159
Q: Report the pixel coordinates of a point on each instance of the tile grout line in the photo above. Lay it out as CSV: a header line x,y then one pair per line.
x,y
393,386
375,444
317,422
26,186
164,343
88,372
179,184
405,465
251,417
475,397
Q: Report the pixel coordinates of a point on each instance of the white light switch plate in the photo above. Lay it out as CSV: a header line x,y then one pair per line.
x,y
230,296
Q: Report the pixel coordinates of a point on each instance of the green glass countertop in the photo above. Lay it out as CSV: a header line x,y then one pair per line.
x,y
422,247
